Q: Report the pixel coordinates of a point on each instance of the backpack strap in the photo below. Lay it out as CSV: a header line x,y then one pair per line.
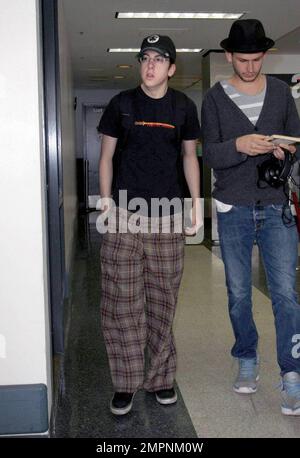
x,y
179,102
126,100
127,112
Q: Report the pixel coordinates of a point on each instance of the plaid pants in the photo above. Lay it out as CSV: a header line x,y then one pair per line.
x,y
141,275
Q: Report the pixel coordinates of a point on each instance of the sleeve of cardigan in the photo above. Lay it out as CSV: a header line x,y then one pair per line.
x,y
217,154
292,125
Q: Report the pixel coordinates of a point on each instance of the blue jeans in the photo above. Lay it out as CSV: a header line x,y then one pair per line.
x,y
278,246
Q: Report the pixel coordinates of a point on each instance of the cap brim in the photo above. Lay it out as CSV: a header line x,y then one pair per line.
x,y
152,48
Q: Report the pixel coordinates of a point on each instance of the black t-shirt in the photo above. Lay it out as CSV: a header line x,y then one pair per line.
x,y
148,159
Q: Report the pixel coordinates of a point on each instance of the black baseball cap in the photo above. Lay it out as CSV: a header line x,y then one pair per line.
x,y
160,43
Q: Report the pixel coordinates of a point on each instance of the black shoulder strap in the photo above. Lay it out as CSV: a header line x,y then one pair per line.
x,y
179,100
126,100
127,114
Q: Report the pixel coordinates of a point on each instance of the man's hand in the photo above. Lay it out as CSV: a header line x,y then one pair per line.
x,y
196,218
254,144
279,150
104,222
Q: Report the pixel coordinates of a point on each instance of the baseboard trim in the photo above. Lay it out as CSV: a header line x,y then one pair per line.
x,y
23,409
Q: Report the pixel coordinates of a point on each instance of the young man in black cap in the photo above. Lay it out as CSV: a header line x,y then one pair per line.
x,y
238,117
141,271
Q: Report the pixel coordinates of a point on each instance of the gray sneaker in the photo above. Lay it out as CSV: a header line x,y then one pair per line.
x,y
246,380
290,394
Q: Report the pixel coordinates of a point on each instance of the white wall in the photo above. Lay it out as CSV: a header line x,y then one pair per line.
x,y
24,325
67,138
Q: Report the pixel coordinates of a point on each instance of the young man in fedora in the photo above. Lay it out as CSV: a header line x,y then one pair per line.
x,y
141,270
238,117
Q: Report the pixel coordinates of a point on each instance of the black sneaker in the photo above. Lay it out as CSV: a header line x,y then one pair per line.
x,y
166,396
121,403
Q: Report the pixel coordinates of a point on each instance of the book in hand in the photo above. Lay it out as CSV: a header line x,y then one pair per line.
x,y
284,139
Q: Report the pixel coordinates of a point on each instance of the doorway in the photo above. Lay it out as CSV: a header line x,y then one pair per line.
x,y
92,141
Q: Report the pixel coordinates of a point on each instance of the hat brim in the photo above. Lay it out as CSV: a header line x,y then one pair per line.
x,y
264,46
153,48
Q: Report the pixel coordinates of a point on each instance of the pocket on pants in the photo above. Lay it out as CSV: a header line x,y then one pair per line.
x,y
223,208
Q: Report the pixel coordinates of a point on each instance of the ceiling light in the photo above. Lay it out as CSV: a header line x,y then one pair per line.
x,y
189,50
179,15
123,49
138,50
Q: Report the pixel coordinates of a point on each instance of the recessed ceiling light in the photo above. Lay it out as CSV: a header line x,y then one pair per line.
x,y
138,50
178,15
124,66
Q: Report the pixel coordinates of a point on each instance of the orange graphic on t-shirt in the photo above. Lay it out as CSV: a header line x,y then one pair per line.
x,y
154,124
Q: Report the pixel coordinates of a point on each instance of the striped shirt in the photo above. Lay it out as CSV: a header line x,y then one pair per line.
x,y
250,105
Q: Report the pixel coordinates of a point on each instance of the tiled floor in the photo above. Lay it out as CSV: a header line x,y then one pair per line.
x,y
205,368
207,405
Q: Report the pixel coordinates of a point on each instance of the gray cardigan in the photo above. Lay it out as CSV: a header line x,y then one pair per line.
x,y
222,122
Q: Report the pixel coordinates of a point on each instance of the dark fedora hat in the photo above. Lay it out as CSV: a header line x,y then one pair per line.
x,y
247,36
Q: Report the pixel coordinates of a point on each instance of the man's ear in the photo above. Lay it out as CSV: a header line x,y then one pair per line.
x,y
172,70
228,56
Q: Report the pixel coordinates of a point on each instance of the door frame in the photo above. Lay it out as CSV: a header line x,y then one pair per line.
x,y
54,172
